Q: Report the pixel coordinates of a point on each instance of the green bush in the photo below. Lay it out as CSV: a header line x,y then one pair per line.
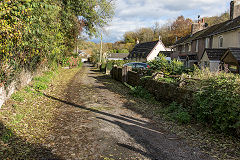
x,y
217,103
140,92
173,67
183,117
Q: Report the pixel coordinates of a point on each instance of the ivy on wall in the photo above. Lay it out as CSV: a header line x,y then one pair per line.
x,y
36,31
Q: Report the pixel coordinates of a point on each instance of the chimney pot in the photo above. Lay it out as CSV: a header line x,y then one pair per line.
x,y
160,38
137,41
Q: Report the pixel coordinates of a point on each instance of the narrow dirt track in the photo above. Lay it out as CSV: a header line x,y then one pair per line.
x,y
95,123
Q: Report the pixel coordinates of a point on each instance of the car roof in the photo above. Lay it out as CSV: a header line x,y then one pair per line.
x,y
136,63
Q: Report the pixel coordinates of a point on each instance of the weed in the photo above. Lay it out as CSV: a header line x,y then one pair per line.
x,y
177,113
44,79
40,86
183,117
28,89
18,96
6,136
167,80
49,74
18,118
14,106
140,92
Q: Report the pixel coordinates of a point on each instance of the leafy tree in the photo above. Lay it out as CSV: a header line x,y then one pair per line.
x,y
217,19
167,67
37,31
145,35
130,37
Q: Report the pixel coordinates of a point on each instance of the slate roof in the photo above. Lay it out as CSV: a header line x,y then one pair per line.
x,y
189,37
210,30
228,26
213,30
181,40
215,54
142,50
117,55
192,57
236,53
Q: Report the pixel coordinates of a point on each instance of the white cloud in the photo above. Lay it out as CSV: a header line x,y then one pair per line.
x,y
133,14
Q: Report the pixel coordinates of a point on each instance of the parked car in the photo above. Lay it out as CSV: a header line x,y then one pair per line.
x,y
138,65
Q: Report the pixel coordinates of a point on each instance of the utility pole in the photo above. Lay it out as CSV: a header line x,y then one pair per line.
x,y
101,48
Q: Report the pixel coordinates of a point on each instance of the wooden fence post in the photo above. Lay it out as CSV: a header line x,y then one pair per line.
x,y
125,71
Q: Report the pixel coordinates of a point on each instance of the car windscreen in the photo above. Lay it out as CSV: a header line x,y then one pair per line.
x,y
141,65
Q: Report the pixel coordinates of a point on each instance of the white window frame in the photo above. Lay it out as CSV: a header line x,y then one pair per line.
x,y
220,44
184,48
207,45
197,45
238,39
189,47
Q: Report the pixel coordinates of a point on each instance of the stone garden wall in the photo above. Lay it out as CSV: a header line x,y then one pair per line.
x,y
160,90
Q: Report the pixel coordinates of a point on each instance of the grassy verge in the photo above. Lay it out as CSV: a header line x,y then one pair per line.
x,y
26,119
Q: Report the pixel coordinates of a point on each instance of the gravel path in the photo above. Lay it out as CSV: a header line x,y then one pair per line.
x,y
95,123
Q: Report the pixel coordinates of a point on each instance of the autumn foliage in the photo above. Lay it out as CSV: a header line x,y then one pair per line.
x,y
33,31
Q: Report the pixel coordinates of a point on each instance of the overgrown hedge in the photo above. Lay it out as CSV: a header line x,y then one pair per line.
x,y
217,102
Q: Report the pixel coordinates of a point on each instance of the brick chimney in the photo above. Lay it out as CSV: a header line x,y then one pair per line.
x,y
234,9
200,25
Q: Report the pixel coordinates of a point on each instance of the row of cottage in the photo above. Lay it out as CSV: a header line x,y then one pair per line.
x,y
216,47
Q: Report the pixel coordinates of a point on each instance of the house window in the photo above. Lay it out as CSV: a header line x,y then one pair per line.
x,y
180,48
207,40
184,48
189,47
220,42
239,39
197,46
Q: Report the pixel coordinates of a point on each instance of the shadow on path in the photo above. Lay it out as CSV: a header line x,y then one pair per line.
x,y
133,128
149,141
128,119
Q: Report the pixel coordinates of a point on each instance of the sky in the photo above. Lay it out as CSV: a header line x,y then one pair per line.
x,y
134,14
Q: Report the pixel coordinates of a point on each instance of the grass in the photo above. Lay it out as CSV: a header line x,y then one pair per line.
x,y
26,119
18,96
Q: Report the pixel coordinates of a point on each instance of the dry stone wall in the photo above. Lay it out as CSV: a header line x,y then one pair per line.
x,y
161,91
